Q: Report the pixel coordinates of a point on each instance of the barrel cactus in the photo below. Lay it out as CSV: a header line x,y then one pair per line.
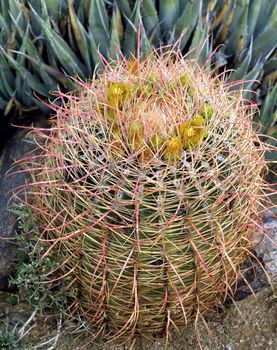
x,y
148,192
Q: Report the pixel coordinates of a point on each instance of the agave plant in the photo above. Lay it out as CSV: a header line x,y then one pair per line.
x,y
147,192
43,43
247,30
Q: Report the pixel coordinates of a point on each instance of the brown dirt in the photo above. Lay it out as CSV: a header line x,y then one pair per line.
x,y
250,324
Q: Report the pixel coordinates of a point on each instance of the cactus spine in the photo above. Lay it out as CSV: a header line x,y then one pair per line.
x,y
148,190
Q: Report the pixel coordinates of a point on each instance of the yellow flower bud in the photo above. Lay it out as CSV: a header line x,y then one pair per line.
x,y
185,79
193,131
187,82
173,150
118,93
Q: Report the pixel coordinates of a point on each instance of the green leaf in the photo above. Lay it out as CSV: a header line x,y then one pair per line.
x,y
266,9
5,8
242,69
249,80
267,116
183,4
270,66
272,141
252,76
168,13
131,32
3,103
40,105
6,77
116,32
32,81
238,28
29,47
94,52
150,19
6,89
19,80
125,8
16,12
3,24
253,15
44,12
63,52
145,45
63,79
81,36
186,23
55,9
9,106
99,25
200,47
36,4
267,39
224,10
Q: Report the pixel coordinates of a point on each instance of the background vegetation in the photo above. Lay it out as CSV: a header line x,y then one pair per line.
x,y
44,43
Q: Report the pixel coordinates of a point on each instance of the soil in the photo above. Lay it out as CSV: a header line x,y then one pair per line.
x,y
250,323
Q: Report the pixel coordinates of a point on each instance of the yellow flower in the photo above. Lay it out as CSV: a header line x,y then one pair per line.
x,y
206,110
173,150
193,131
118,93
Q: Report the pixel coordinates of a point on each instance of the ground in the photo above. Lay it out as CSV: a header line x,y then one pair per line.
x,y
250,324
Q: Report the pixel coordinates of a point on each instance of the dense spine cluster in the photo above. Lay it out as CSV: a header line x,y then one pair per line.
x,y
148,190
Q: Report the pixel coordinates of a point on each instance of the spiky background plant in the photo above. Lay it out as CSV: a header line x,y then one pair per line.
x,y
44,43
147,192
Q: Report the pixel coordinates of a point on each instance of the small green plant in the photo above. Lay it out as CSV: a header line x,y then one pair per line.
x,y
10,338
7,337
34,269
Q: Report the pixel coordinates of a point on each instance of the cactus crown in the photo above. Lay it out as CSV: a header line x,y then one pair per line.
x,y
152,113
148,190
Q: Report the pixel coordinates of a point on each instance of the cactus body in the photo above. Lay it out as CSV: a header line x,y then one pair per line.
x,y
152,210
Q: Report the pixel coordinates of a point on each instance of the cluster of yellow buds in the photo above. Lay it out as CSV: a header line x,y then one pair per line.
x,y
121,96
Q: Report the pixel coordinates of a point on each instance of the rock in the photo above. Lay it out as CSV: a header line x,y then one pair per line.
x,y
267,248
254,279
269,214
264,259
18,147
